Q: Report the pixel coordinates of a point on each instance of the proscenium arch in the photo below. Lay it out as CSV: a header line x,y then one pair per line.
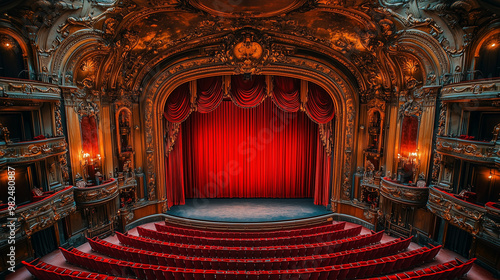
x,y
344,96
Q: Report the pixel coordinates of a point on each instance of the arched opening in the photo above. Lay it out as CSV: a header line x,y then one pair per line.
x,y
242,144
488,59
12,64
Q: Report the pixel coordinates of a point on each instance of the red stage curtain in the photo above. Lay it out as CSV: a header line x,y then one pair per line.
x,y
258,152
286,93
409,133
178,104
322,179
89,135
210,93
248,93
252,151
319,105
175,174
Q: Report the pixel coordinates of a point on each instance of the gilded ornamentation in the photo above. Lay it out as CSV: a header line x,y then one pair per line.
x,y
38,215
58,119
84,108
63,163
442,119
346,181
34,149
27,152
247,51
416,196
95,194
462,214
411,108
170,137
484,151
474,88
436,166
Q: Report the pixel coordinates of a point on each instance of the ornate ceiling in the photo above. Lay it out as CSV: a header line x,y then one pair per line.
x,y
114,46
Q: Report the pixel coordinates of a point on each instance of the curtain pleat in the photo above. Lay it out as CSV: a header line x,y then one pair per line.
x,y
286,93
248,93
319,105
322,175
178,104
174,165
210,93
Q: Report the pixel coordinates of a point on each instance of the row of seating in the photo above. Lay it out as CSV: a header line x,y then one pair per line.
x,y
450,270
355,270
147,257
45,271
248,242
171,228
249,252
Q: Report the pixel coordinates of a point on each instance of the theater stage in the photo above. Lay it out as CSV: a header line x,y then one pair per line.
x,y
246,210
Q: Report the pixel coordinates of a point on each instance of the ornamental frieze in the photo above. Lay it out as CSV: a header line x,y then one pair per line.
x,y
29,90
479,89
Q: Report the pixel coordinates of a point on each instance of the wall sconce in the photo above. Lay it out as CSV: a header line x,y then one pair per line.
x,y
411,161
90,165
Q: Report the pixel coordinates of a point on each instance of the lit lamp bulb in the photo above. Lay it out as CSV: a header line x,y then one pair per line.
x,y
489,177
7,44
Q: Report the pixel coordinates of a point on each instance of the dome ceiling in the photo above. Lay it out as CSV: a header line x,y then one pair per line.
x,y
252,8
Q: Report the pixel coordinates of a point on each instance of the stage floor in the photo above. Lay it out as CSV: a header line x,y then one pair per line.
x,y
248,209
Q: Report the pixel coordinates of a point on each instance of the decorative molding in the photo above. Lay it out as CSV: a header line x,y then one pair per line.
x,y
39,215
436,167
469,150
85,102
58,119
409,195
465,215
29,90
95,195
63,163
474,90
441,131
348,148
33,150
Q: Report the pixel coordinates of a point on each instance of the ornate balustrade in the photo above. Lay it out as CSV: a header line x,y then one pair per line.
x,y
479,89
25,89
88,196
409,195
458,212
487,152
38,215
27,151
491,222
